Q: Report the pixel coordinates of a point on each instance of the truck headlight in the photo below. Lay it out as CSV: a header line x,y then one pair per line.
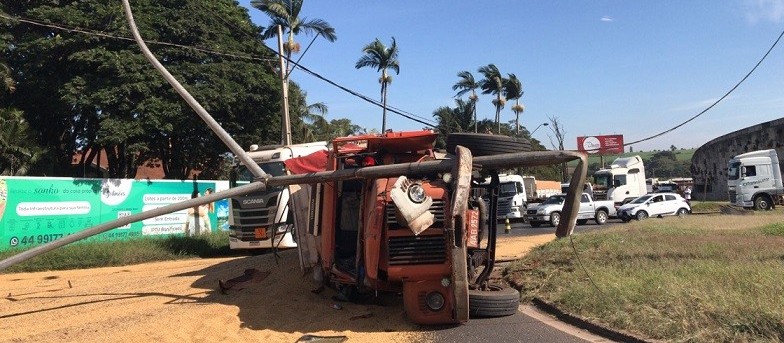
x,y
416,193
435,301
541,211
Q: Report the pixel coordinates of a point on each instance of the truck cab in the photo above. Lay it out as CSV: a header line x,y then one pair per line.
x,y
263,220
625,179
754,180
512,197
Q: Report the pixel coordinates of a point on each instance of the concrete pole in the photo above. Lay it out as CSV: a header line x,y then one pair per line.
x,y
286,127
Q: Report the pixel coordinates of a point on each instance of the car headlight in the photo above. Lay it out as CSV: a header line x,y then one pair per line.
x,y
416,193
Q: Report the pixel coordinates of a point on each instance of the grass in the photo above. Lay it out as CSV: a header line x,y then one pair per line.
x,y
707,206
680,155
94,254
694,279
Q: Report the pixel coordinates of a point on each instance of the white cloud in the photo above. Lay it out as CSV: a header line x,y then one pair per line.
x,y
765,10
607,18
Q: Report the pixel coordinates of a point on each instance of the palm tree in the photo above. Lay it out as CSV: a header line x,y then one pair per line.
x,y
314,125
513,90
382,58
464,85
18,152
493,83
286,14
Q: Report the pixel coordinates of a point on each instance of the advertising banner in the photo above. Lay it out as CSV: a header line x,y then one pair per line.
x,y
607,144
38,210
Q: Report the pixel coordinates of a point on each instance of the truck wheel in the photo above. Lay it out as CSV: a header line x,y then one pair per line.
x,y
682,212
482,144
641,215
497,301
535,224
762,203
600,217
582,221
555,218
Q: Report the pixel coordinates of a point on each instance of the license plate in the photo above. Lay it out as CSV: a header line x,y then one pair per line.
x,y
261,233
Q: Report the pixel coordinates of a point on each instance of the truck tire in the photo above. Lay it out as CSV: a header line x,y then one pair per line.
x,y
762,202
535,224
555,218
497,301
482,144
582,221
641,215
600,217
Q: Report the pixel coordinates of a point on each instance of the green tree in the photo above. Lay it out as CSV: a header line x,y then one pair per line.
x,y
382,59
18,152
493,83
466,84
89,93
513,90
286,13
453,119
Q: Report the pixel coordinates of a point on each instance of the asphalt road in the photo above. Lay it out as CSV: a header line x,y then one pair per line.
x,y
520,327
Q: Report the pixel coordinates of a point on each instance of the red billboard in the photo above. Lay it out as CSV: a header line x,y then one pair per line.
x,y
609,144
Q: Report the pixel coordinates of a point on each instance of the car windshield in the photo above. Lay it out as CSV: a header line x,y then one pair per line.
x,y
554,200
507,188
733,172
641,199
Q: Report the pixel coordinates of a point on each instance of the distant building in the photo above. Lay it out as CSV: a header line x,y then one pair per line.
x,y
99,166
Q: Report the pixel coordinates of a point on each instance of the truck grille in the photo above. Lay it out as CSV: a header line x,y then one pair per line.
x,y
531,212
437,209
732,196
504,207
412,250
253,214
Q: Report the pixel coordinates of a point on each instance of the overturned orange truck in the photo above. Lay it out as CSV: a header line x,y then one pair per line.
x,y
403,224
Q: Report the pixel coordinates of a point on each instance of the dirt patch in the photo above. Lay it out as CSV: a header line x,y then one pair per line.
x,y
181,301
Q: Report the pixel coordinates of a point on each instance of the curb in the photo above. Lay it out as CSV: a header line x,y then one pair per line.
x,y
586,325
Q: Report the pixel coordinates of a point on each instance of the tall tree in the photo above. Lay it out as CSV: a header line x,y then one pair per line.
x,y
513,90
286,13
83,92
493,83
464,85
381,58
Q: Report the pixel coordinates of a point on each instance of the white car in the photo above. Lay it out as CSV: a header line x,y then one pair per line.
x,y
654,205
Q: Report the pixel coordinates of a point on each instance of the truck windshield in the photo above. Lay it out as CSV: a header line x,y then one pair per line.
x,y
507,188
244,176
733,172
602,180
554,200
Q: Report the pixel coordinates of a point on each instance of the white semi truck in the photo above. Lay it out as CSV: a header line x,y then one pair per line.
x,y
754,180
512,197
264,220
624,180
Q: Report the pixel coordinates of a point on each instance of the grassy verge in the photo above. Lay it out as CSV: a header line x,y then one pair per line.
x,y
118,253
707,206
697,279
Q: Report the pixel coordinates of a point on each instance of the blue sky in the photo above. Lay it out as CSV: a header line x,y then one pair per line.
x,y
602,67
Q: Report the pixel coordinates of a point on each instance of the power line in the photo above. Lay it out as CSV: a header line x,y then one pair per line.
x,y
717,101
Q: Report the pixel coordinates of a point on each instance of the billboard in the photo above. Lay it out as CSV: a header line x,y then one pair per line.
x,y
607,144
38,210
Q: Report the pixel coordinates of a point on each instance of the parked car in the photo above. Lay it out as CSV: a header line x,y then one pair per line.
x,y
654,205
549,211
